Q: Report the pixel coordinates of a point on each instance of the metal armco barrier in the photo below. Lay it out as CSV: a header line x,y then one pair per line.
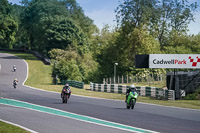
x,y
143,91
74,83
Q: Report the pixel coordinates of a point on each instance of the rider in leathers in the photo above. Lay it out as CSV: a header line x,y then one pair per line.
x,y
66,87
131,88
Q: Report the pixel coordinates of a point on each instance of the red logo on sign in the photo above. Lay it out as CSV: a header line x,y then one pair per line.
x,y
193,62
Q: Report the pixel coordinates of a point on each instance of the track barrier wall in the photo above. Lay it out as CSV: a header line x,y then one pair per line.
x,y
73,83
142,90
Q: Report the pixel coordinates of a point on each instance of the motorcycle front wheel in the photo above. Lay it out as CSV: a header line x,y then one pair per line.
x,y
133,103
65,98
127,106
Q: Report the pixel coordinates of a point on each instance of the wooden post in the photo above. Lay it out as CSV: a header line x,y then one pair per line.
x,y
153,78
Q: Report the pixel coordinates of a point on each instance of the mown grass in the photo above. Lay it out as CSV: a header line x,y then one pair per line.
x,y
8,128
40,77
158,84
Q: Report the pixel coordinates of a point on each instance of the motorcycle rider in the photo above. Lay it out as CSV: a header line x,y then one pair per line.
x,y
15,81
14,68
66,87
131,88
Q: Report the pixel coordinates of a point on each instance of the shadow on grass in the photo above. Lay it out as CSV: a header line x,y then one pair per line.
x,y
28,57
25,56
88,89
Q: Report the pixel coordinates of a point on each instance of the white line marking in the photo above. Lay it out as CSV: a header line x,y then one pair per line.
x,y
80,119
26,72
17,125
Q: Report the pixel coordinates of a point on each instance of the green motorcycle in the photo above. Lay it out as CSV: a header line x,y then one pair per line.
x,y
131,100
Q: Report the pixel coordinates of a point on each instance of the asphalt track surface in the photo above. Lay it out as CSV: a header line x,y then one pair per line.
x,y
145,116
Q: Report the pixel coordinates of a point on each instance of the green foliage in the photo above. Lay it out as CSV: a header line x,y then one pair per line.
x,y
59,33
76,13
193,96
104,50
8,28
69,65
5,7
81,52
194,44
182,44
56,24
139,41
161,17
89,68
68,70
145,72
134,13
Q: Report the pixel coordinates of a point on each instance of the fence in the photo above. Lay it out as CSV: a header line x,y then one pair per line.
x,y
73,83
125,79
143,91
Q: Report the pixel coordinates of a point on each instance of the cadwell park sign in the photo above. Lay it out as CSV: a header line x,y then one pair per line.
x,y
180,82
174,61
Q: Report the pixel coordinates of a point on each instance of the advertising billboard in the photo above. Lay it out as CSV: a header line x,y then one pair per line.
x,y
174,61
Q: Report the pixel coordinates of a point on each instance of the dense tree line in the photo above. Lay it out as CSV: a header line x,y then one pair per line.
x,y
60,30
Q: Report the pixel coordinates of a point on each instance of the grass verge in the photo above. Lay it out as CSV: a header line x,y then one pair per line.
x,y
8,128
40,77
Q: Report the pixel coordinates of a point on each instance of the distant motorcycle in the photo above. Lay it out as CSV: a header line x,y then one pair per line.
x,y
65,95
131,100
14,68
15,84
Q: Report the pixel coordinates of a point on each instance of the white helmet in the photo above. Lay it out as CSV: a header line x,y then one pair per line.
x,y
132,86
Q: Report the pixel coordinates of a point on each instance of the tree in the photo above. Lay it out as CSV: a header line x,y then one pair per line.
x,y
68,70
103,50
5,7
33,13
134,13
59,33
8,26
182,44
139,41
77,14
174,15
161,17
69,64
52,24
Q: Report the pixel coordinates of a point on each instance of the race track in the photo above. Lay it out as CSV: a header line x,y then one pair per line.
x,y
144,116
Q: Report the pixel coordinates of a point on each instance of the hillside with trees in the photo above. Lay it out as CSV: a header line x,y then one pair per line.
x,y
59,29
